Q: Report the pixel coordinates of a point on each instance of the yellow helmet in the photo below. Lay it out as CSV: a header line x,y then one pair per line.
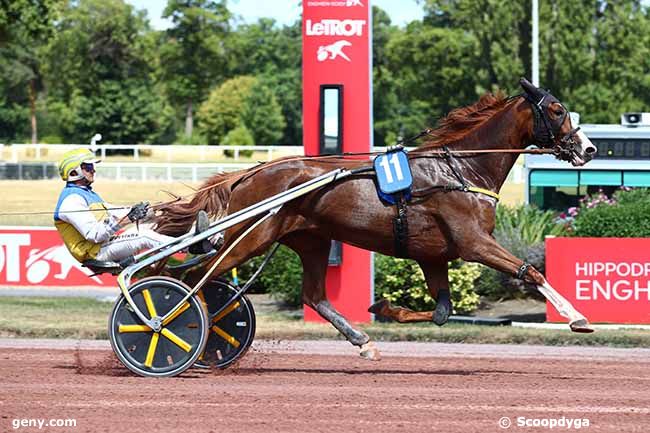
x,y
72,161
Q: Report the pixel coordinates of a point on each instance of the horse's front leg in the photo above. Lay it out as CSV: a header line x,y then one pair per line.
x,y
485,249
436,276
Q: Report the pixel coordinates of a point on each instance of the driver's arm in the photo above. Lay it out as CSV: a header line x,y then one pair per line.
x,y
86,222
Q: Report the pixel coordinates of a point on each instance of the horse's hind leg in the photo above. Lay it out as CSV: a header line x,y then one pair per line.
x,y
437,281
314,252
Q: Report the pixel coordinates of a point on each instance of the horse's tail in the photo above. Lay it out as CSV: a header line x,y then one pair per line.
x,y
176,219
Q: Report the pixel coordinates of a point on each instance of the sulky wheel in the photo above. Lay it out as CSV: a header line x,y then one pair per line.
x,y
181,339
233,330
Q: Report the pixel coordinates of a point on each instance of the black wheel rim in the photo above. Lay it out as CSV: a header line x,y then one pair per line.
x,y
158,354
232,331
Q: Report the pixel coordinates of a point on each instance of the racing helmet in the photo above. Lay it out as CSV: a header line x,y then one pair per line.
x,y
71,162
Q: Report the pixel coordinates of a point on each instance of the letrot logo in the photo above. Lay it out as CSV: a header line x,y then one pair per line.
x,y
331,52
339,3
39,265
331,27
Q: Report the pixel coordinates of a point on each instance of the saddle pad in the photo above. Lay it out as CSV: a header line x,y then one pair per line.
x,y
393,172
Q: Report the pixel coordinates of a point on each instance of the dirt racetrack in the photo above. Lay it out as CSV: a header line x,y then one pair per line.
x,y
325,387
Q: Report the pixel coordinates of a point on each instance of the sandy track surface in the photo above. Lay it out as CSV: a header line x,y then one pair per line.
x,y
300,386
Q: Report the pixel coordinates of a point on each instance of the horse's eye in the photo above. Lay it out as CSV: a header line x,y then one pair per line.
x,y
559,112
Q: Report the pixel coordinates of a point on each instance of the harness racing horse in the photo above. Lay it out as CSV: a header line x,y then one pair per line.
x,y
451,213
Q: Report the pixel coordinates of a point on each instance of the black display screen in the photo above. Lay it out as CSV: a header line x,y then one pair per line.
x,y
622,148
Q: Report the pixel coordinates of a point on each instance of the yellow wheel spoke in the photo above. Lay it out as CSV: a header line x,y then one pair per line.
x,y
223,334
148,362
133,328
151,308
178,312
176,340
225,312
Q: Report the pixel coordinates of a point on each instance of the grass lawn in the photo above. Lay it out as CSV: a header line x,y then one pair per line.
x,y
56,317
41,195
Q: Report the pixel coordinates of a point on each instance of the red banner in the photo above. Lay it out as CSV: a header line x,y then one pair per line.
x,y
336,50
606,279
36,256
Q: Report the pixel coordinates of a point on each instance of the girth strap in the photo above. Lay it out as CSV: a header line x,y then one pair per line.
x,y
401,228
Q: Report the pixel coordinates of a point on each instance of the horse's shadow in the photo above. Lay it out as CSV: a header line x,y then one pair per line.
x,y
115,371
244,371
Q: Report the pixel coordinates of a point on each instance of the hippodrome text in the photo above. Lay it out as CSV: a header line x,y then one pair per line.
x,y
612,281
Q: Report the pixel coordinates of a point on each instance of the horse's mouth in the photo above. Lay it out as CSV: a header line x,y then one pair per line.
x,y
578,159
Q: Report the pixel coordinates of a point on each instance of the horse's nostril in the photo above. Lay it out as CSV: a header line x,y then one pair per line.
x,y
590,149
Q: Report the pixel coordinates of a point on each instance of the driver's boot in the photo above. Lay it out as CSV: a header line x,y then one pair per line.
x,y
202,224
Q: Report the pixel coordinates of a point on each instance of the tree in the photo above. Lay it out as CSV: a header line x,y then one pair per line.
x,y
497,27
25,26
99,76
274,54
192,54
241,101
434,71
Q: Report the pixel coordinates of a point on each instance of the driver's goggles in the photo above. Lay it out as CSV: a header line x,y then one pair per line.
x,y
88,166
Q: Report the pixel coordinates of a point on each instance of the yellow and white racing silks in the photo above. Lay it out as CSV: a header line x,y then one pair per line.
x,y
83,221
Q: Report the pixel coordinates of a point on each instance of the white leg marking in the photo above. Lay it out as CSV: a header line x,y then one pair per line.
x,y
562,306
369,351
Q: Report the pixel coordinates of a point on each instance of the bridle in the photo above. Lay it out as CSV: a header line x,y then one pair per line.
x,y
545,129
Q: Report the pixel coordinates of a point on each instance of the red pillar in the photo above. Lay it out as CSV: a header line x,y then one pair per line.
x,y
337,50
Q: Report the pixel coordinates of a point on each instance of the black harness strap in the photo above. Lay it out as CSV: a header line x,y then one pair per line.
x,y
401,228
454,169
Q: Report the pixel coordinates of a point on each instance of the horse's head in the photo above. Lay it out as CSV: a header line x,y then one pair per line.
x,y
552,127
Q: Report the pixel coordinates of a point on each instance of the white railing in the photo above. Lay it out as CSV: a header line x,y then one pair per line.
x,y
20,152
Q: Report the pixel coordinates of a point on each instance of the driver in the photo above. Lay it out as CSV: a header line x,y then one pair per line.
x,y
88,225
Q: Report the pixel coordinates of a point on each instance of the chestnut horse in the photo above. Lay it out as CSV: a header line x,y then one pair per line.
x,y
445,220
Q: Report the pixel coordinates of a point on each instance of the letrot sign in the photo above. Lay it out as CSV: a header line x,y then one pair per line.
x,y
35,256
606,279
337,107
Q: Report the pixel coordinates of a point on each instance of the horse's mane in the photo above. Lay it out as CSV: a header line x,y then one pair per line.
x,y
461,121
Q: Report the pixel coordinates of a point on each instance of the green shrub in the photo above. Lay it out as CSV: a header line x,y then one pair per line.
x,y
239,136
196,139
281,278
625,215
242,101
401,281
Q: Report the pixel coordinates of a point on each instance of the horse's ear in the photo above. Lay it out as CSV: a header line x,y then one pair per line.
x,y
529,87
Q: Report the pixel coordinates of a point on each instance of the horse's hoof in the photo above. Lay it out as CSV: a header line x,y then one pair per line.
x,y
370,352
441,313
378,306
581,325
